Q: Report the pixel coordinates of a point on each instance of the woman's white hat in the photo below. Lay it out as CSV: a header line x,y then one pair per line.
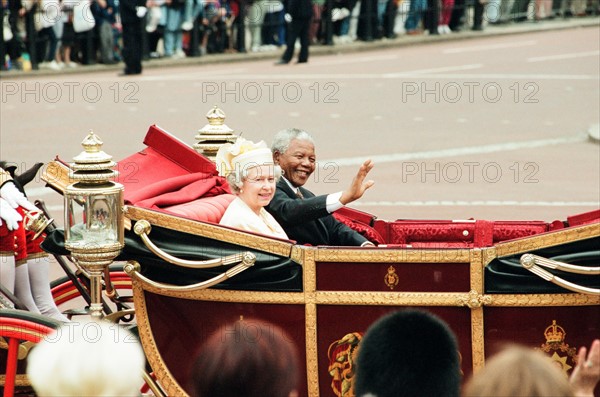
x,y
242,155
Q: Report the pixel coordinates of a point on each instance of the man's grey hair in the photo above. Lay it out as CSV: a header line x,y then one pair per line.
x,y
282,140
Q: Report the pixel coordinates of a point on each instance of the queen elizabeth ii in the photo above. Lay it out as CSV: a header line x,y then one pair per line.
x,y
252,175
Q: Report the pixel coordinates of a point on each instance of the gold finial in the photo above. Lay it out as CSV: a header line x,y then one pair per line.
x,y
214,134
215,116
92,165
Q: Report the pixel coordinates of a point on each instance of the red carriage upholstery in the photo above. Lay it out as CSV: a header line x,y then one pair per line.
x,y
458,234
207,209
360,221
582,219
170,176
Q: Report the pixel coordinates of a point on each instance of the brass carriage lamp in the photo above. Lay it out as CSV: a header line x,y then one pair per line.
x,y
94,230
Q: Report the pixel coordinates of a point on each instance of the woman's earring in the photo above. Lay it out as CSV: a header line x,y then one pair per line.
x,y
282,172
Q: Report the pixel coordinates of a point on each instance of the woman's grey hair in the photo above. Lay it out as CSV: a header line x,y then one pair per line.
x,y
237,177
282,140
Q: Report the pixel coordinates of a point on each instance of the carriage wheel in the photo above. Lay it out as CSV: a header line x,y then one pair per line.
x,y
17,327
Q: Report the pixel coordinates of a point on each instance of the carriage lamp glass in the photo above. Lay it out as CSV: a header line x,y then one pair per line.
x,y
94,232
93,217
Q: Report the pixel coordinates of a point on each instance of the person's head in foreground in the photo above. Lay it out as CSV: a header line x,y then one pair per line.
x,y
99,359
522,372
294,150
248,358
408,353
250,171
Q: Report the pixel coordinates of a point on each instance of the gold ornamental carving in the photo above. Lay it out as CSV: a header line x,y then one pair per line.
x,y
477,338
309,271
476,271
474,300
541,300
488,255
393,255
368,298
312,353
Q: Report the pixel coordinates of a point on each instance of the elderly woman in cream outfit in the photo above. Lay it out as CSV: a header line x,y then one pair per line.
x,y
252,175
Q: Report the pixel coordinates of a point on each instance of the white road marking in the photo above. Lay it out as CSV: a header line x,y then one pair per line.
x,y
433,70
564,56
488,47
453,152
347,61
478,203
505,76
424,74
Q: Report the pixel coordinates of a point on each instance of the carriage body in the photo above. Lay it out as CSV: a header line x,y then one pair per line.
x,y
467,272
328,296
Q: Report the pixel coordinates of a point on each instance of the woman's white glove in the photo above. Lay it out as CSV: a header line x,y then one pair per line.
x,y
9,215
15,198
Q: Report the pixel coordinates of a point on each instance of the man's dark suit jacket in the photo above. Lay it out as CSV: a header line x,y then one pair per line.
x,y
307,221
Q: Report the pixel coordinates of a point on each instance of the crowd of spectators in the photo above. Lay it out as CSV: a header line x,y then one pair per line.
x,y
59,34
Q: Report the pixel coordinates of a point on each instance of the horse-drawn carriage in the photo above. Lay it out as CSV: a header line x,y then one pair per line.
x,y
531,282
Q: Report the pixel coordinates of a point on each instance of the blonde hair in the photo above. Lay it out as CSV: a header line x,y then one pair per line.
x,y
87,359
522,372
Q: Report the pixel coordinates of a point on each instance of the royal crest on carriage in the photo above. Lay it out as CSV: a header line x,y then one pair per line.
x,y
342,357
391,279
556,347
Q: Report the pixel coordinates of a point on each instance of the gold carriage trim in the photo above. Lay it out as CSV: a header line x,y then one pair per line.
x,y
163,375
21,380
541,300
534,242
208,230
357,255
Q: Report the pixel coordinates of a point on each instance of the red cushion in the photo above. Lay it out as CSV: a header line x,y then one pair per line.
x,y
367,231
164,157
582,219
206,209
